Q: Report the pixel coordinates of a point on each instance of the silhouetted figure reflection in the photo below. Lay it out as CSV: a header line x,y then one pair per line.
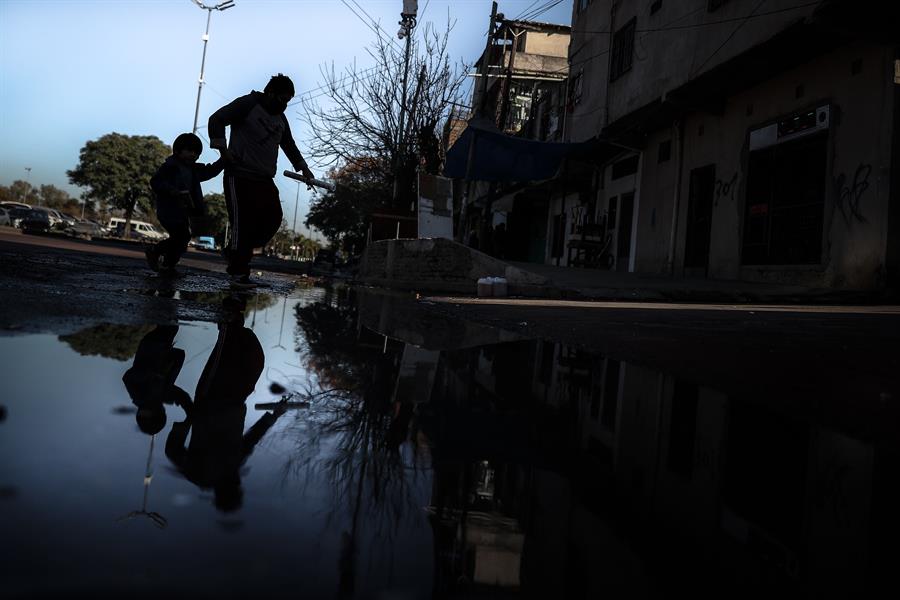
x,y
151,384
219,447
151,379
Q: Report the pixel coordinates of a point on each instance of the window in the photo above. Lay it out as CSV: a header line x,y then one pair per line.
x,y
785,207
625,167
582,5
622,50
576,87
520,42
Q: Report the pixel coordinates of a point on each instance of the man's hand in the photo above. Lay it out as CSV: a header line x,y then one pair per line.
x,y
304,170
227,155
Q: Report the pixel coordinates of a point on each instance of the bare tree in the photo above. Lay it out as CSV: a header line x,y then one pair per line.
x,y
357,118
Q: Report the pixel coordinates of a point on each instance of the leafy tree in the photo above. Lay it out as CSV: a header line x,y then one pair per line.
x,y
343,215
216,217
112,341
116,170
53,197
19,191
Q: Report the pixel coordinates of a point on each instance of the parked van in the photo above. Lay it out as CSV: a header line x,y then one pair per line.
x,y
203,242
139,229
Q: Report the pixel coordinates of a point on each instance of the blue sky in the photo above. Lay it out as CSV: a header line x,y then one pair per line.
x,y
74,70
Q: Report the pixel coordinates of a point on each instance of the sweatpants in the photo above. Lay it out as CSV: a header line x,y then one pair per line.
x,y
254,213
174,220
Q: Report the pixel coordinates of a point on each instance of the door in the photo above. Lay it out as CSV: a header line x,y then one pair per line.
x,y
699,218
623,233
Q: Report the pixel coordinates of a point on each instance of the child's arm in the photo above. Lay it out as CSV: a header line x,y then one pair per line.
x,y
205,172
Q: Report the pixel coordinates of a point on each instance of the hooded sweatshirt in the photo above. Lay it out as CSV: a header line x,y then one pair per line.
x,y
257,131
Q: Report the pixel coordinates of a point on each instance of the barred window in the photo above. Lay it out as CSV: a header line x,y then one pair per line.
x,y
622,50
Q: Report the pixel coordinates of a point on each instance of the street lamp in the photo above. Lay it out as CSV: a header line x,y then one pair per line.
x,y
407,23
28,181
220,6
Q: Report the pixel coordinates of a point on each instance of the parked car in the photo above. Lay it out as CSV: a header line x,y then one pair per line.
x,y
203,243
53,215
36,220
8,205
87,229
17,214
4,217
68,220
140,230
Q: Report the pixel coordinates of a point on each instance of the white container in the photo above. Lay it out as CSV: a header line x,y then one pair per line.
x,y
485,287
499,287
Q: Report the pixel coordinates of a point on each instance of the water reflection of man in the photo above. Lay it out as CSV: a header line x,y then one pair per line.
x,y
219,447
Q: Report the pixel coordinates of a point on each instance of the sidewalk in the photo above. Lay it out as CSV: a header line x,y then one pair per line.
x,y
595,284
436,267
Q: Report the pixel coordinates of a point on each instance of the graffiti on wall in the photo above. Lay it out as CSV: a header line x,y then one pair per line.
x,y
849,194
725,189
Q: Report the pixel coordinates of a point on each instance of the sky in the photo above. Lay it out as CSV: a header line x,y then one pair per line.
x,y
74,70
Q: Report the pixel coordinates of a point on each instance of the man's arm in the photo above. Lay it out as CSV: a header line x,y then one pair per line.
x,y
232,112
289,146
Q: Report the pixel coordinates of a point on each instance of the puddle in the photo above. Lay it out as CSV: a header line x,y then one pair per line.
x,y
358,446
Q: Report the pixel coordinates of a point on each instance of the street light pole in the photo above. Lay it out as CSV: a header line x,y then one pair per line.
x,y
407,23
221,6
28,181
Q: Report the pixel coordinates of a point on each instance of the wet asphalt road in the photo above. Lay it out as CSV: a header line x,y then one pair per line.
x,y
63,285
771,354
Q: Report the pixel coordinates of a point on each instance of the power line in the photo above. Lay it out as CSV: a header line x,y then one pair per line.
x,y
541,10
525,10
376,23
422,14
727,39
752,15
743,20
325,87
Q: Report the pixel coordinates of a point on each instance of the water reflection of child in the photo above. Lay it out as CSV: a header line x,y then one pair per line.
x,y
219,447
151,379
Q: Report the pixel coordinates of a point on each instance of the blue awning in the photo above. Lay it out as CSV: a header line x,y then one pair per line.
x,y
501,157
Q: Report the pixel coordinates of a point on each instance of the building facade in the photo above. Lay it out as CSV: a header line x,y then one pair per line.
x,y
753,141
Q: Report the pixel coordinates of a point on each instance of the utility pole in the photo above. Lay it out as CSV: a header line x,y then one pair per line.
x,y
407,24
507,85
478,109
220,6
486,63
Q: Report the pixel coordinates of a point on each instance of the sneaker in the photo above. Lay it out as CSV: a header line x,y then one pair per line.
x,y
242,282
152,258
164,268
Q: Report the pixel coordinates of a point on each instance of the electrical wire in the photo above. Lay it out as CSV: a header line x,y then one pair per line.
x,y
377,24
525,10
752,15
541,10
727,39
